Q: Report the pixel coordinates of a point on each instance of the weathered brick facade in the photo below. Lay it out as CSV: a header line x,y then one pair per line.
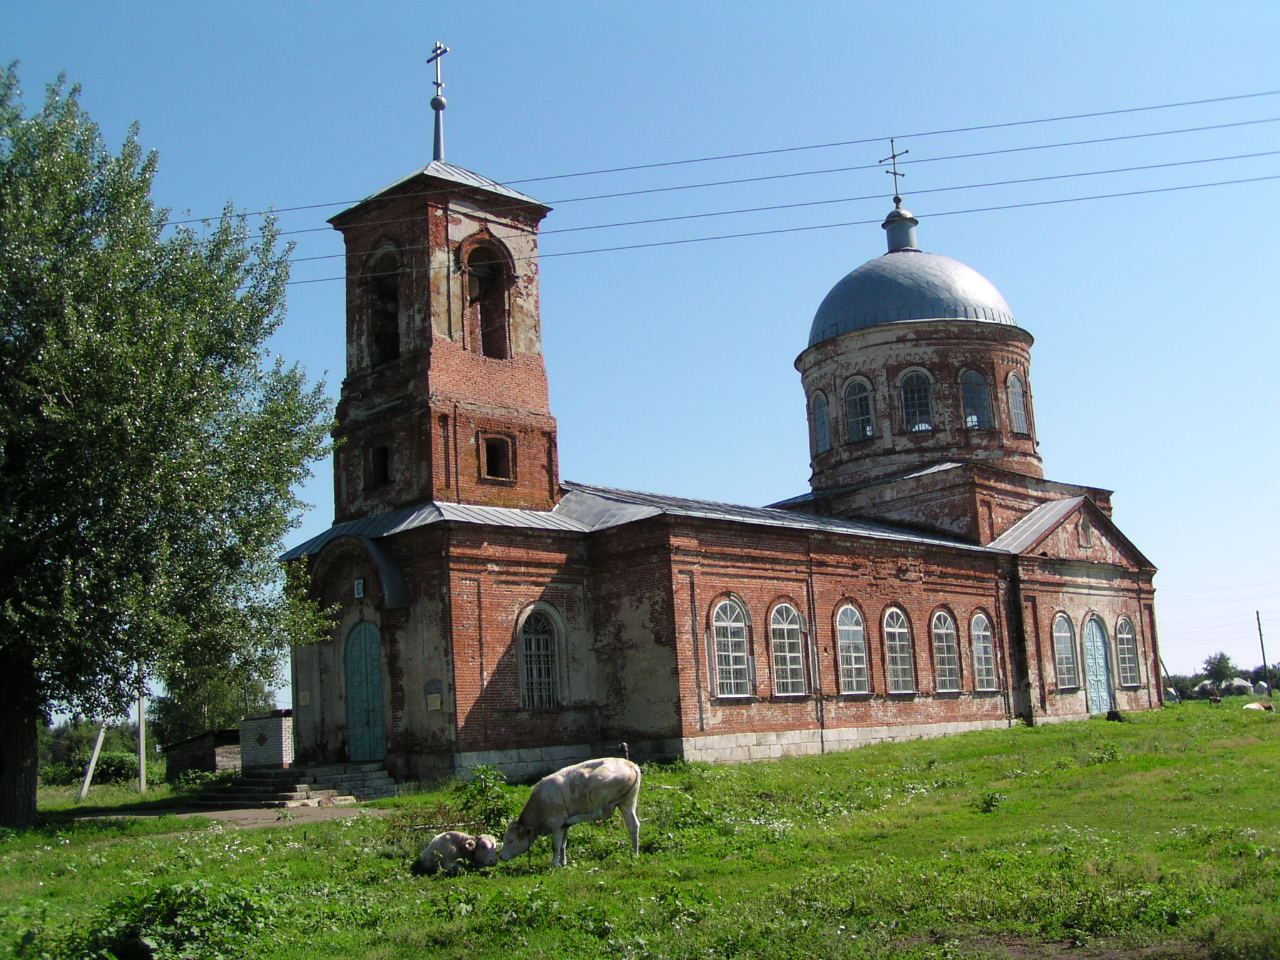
x,y
489,613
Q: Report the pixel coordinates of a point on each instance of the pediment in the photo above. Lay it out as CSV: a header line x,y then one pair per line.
x,y
1071,529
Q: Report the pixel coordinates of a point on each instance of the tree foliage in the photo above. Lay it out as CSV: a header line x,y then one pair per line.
x,y
148,444
1219,668
197,706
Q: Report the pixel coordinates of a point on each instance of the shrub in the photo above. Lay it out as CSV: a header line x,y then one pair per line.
x,y
486,799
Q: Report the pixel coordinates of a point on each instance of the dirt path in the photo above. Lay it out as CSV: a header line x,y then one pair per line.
x,y
246,818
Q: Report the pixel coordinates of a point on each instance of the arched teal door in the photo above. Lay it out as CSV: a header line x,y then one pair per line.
x,y
366,732
1097,667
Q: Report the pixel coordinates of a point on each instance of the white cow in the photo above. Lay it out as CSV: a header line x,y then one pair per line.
x,y
591,790
449,850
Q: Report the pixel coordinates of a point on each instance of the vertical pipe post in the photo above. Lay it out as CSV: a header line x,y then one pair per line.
x,y
1266,667
142,740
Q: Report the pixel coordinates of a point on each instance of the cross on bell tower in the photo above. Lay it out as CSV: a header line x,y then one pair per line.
x,y
438,102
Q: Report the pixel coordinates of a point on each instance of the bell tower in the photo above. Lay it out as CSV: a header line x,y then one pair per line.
x,y
445,396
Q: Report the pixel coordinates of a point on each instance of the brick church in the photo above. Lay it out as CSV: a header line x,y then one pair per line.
x,y
931,581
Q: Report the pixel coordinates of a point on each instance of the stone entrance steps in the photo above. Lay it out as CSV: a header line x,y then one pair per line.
x,y
328,785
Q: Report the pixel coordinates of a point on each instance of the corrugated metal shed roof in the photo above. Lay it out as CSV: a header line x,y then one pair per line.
x,y
1024,534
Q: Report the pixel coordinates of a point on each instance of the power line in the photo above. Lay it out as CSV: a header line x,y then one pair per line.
x,y
809,173
855,223
816,203
781,150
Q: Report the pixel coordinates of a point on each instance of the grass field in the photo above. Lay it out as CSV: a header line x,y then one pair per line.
x,y
1154,838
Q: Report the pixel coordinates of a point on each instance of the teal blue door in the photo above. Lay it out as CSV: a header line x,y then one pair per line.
x,y
366,734
1097,667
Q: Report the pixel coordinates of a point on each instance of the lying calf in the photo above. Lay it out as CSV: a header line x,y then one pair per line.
x,y
448,851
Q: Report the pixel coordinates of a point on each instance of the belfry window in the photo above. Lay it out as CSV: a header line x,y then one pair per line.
x,y
859,412
496,460
976,394
384,308
917,402
379,467
821,425
487,296
1019,421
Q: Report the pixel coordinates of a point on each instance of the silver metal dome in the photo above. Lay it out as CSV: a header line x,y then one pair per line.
x,y
906,285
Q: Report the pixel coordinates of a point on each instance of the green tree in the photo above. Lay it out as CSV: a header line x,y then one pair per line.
x,y
148,443
194,706
1220,669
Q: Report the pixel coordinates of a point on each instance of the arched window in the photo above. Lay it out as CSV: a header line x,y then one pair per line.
x,y
733,661
917,402
859,411
821,425
984,653
976,393
788,651
539,667
946,653
851,640
899,657
487,295
1019,419
1127,653
1064,652
384,308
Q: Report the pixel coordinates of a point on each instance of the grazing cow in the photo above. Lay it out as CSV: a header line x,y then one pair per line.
x,y
585,791
450,850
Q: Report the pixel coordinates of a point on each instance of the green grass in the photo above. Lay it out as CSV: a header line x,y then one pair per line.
x,y
1158,837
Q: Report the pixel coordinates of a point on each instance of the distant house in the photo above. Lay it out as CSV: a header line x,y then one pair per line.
x,y
217,751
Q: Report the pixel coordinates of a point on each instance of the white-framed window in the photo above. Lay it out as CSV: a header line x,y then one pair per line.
x,y
851,642
733,669
821,425
1064,652
917,402
976,395
859,411
1127,653
984,653
539,666
899,656
946,653
787,637
1019,417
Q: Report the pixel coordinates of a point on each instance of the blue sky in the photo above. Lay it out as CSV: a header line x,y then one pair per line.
x,y
671,367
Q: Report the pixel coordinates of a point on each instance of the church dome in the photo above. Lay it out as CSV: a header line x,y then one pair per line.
x,y
907,284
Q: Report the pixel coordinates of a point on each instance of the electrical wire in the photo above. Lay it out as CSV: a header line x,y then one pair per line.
x,y
817,203
808,173
854,223
781,150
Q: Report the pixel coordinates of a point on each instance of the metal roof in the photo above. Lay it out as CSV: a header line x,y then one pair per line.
x,y
906,285
1027,531
609,507
585,509
447,171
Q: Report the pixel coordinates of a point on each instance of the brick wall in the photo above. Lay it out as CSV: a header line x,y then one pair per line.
x,y
267,741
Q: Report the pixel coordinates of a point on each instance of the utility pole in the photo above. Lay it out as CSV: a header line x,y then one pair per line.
x,y
93,761
1266,667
